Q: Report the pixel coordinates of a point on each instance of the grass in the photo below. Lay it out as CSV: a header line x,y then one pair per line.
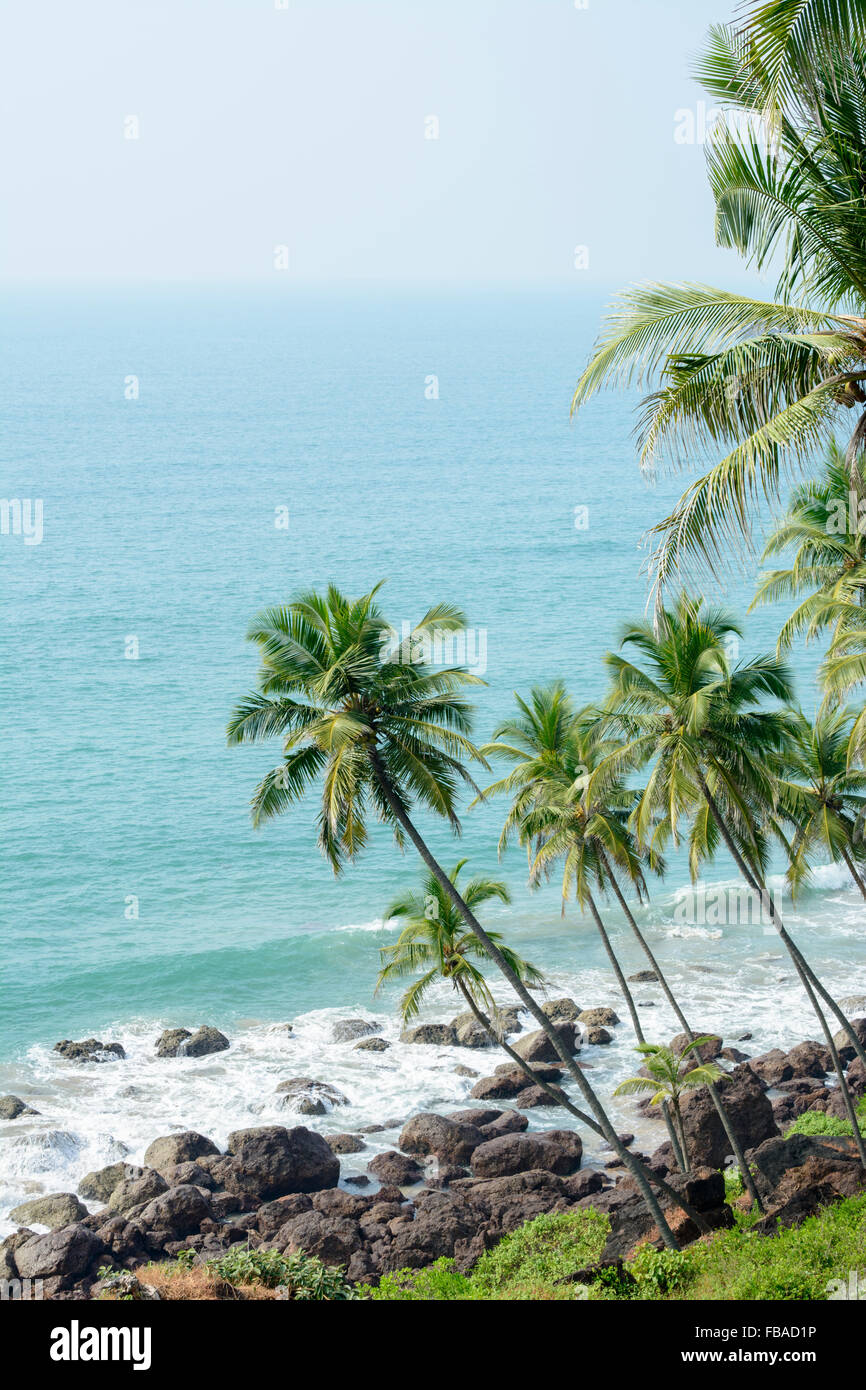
x,y
795,1264
246,1274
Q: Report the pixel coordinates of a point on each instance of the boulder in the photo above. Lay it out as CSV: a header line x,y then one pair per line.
x,y
272,1216
508,1122
348,1029
169,1041
90,1050
63,1255
772,1067
394,1168
537,1047
750,1111
133,1192
333,1239
705,1053
345,1143
188,1175
809,1059
271,1161
561,1010
308,1097
847,1052
371,1045
468,1032
733,1054
99,1185
520,1153
203,1042
13,1107
432,1034
54,1210
449,1140
806,1172
597,1037
598,1018
183,1147
176,1213
538,1098
643,977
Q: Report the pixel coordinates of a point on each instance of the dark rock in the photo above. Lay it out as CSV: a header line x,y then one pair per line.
x,y
66,1255
178,1212
90,1050
168,1042
133,1192
583,1184
509,1122
188,1175
348,1029
54,1210
434,1134
432,1034
478,1117
345,1144
810,1171
845,1048
772,1067
644,977
536,1097
12,1107
371,1045
99,1185
308,1097
184,1147
597,1037
561,1010
598,1018
519,1153
750,1112
203,1042
464,1071
810,1059
272,1161
537,1047
468,1032
706,1052
334,1239
733,1054
395,1168
272,1216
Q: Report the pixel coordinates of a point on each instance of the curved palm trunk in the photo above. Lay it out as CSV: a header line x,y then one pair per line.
x,y
676,1105
562,1100
715,1095
853,872
526,998
805,972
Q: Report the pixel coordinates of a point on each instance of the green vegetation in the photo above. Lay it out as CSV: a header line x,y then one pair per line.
x,y
536,1261
303,1276
816,1122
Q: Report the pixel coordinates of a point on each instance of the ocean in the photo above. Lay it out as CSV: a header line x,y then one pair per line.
x,y
198,455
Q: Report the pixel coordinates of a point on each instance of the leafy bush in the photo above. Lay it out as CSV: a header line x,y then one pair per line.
x,y
816,1122
661,1271
303,1276
438,1283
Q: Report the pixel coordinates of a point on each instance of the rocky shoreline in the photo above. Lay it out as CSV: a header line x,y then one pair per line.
x,y
454,1185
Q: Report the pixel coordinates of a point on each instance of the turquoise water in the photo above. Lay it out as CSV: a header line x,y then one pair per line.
x,y
159,526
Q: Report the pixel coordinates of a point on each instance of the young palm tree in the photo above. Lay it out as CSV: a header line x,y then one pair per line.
x,y
553,749
822,796
758,383
669,1077
698,720
435,944
382,730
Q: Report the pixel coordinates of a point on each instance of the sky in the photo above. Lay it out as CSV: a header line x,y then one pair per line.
x,y
222,140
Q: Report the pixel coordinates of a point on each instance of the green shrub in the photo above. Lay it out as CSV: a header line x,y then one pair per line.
x,y
816,1122
303,1276
438,1283
661,1271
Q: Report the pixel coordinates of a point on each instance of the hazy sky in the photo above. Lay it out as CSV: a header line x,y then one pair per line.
x,y
301,123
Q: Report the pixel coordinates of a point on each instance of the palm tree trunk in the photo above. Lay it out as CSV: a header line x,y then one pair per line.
x,y
853,872
682,1128
803,970
562,1099
715,1095
617,968
592,1100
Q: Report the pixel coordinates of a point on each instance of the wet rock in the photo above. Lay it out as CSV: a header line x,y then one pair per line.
x,y
184,1147
308,1097
509,1122
733,1054
395,1168
345,1143
706,1052
561,1010
348,1029
520,1153
810,1059
169,1041
538,1098
847,1052
98,1185
537,1047
90,1050
13,1107
772,1067
54,1210
464,1071
132,1192
432,1034
272,1161
371,1045
597,1037
644,977
450,1141
469,1033
203,1042
483,1115
598,1018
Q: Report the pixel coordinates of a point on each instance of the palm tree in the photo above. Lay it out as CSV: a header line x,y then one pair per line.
x,y
554,749
383,730
760,383
822,796
829,560
669,1078
435,944
698,720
